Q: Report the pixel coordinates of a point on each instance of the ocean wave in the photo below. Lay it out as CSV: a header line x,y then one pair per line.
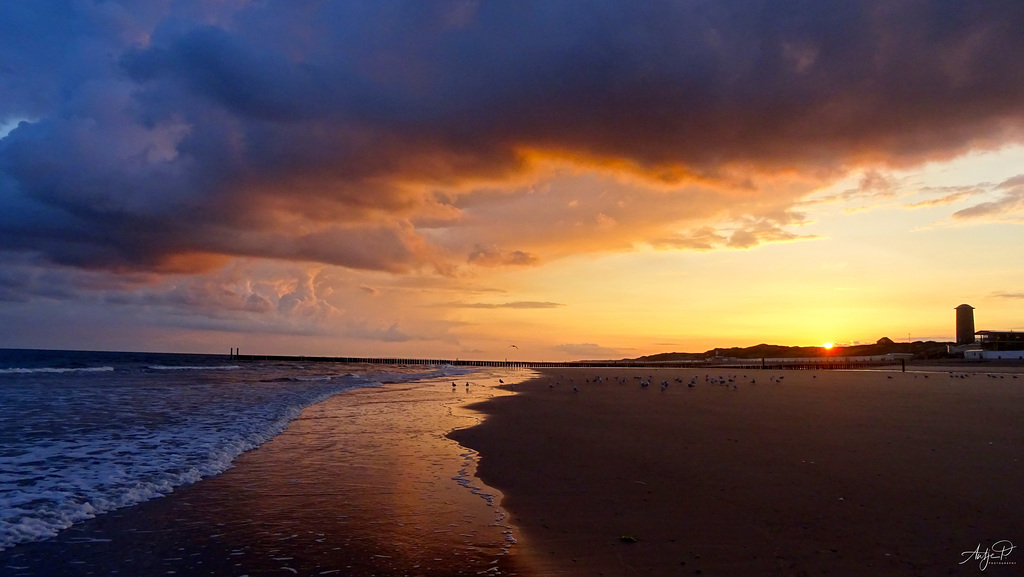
x,y
193,368
28,371
441,371
298,379
192,432
71,452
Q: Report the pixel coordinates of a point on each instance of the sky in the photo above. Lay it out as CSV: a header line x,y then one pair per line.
x,y
582,180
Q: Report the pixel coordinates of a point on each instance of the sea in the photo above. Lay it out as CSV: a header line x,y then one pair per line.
x,y
84,433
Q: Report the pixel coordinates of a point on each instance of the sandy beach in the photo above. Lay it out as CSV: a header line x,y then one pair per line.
x,y
745,473
790,473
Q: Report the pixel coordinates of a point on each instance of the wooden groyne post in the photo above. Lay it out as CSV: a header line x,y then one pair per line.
x,y
803,364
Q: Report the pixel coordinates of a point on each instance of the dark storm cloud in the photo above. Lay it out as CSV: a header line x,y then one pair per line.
x,y
167,137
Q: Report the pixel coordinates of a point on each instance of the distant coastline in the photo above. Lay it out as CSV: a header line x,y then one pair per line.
x,y
884,346
885,350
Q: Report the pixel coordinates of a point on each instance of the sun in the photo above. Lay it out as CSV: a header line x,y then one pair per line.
x,y
827,345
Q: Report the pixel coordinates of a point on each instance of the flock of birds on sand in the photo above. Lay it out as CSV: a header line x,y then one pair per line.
x,y
714,380
501,381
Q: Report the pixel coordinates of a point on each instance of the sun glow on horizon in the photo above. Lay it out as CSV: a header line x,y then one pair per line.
x,y
827,346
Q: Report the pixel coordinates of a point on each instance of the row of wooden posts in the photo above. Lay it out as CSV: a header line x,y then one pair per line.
x,y
805,364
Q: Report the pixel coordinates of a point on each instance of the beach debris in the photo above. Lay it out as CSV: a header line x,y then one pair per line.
x,y
628,539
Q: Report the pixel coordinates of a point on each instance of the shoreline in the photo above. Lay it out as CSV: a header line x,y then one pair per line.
x,y
819,472
831,472
365,482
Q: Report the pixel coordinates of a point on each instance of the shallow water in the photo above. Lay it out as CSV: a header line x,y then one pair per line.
x,y
84,433
364,483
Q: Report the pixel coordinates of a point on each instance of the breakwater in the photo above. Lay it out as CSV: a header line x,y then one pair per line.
x,y
746,364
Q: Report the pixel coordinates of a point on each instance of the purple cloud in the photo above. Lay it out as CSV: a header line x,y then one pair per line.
x,y
176,137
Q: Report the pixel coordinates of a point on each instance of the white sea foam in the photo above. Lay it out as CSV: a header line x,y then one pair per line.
x,y
54,370
47,487
73,447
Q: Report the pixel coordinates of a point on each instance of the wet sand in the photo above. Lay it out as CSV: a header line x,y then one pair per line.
x,y
365,483
816,473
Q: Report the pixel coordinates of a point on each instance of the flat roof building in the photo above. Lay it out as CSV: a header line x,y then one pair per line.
x,y
1000,340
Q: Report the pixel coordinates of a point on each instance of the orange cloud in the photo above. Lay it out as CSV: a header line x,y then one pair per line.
x,y
508,305
958,194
